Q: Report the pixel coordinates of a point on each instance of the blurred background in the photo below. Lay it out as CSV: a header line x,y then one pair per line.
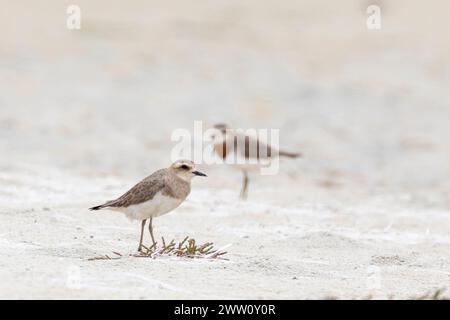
x,y
86,113
369,107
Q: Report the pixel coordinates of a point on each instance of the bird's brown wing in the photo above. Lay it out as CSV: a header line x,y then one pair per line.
x,y
250,147
141,192
256,149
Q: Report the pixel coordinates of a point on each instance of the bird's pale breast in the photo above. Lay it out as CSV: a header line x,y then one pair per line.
x,y
157,206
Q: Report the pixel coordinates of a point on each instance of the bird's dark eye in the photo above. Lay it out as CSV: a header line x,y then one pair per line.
x,y
184,167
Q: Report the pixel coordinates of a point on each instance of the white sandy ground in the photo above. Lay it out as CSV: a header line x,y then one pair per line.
x,y
381,245
86,114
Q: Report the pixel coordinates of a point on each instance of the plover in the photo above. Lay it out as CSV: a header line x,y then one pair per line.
x,y
226,145
159,193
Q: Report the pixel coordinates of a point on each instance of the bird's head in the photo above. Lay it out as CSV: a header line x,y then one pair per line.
x,y
185,169
220,131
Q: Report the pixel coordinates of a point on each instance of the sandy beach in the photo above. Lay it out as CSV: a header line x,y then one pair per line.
x,y
85,114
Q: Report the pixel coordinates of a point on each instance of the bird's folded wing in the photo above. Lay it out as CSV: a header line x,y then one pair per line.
x,y
142,192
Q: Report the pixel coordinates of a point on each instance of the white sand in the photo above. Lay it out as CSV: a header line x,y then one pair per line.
x,y
86,114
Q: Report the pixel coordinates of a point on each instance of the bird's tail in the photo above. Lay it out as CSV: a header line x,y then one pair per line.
x,y
289,154
105,205
97,207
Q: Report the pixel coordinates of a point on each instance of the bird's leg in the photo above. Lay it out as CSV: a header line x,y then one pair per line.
x,y
150,229
243,194
142,235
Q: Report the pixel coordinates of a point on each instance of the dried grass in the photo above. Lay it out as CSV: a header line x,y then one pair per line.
x,y
437,294
187,248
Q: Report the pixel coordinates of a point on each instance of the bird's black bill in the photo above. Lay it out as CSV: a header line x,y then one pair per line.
x,y
198,173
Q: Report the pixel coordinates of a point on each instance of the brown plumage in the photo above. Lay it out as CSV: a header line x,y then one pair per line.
x,y
158,194
224,148
163,180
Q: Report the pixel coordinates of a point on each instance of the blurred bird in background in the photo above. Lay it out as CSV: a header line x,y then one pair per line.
x,y
244,152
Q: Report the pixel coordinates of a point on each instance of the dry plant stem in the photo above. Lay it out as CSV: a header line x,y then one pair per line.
x,y
106,257
182,242
186,248
436,295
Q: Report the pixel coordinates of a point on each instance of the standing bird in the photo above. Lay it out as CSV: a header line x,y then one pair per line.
x,y
159,193
237,145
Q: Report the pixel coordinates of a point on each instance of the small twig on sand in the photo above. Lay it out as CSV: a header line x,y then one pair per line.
x,y
106,257
436,295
